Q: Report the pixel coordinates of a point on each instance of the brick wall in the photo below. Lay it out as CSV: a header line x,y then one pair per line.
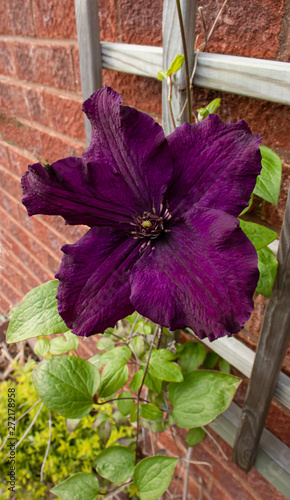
x,y
41,119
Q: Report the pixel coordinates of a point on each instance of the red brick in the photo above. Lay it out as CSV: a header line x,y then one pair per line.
x,y
7,60
4,155
141,22
13,295
55,18
19,161
71,233
77,73
141,92
65,115
20,14
22,101
45,63
5,21
284,37
5,304
54,147
108,20
10,184
244,28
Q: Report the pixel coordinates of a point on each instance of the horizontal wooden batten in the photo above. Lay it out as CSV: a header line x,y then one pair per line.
x,y
273,457
263,79
242,358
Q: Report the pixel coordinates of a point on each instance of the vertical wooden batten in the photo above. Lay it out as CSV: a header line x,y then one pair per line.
x,y
271,350
88,30
172,45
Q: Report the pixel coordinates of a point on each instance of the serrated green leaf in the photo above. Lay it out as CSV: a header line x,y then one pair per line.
x,y
41,347
152,476
163,354
225,367
136,381
153,383
67,385
267,265
269,180
164,370
150,412
80,486
124,404
104,343
176,64
195,436
113,377
211,360
116,464
36,315
260,236
61,345
201,397
192,356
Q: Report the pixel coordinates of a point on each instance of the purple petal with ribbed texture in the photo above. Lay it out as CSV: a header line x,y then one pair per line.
x,y
201,275
132,144
81,193
94,288
215,165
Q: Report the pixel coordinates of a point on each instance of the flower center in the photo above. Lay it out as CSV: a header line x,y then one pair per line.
x,y
149,226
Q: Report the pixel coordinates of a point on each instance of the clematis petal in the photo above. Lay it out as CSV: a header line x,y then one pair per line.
x,y
81,193
202,275
215,165
94,288
131,143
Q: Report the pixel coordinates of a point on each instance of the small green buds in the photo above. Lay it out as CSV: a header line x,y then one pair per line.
x,y
146,223
174,66
209,110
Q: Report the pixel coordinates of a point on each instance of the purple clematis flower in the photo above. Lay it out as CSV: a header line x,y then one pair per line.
x,y
164,236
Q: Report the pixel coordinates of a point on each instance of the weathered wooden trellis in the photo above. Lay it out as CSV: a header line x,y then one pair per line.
x,y
269,80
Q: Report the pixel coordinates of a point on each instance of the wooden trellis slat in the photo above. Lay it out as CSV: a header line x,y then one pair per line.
x,y
172,45
263,79
271,349
88,30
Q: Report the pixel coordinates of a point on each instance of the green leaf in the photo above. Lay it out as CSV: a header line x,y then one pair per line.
x,y
201,397
150,412
67,385
249,205
136,381
225,367
114,376
260,236
175,65
116,464
267,265
202,113
164,370
152,476
163,354
36,315
195,436
269,180
104,343
213,106
192,356
81,486
161,75
122,353
153,383
60,345
124,405
211,360
41,347
71,424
